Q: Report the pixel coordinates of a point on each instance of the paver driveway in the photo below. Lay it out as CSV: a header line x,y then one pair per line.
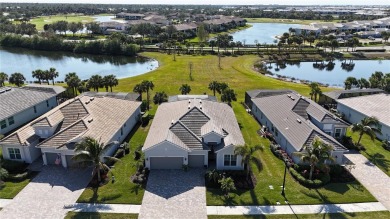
x,y
174,194
376,181
48,193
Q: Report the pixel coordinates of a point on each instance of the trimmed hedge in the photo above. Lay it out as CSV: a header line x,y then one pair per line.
x,y
324,179
18,177
14,167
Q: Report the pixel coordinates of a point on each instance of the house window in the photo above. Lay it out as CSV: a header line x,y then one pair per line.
x,y
11,120
121,131
337,133
124,125
35,109
328,133
14,153
47,103
230,160
276,132
3,124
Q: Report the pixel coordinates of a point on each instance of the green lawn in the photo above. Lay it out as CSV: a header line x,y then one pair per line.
x,y
359,215
123,191
374,151
40,21
96,215
285,21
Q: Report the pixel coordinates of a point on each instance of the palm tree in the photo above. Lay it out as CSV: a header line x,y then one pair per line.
x,y
227,185
138,89
247,153
368,126
160,97
73,81
17,79
315,154
3,78
185,89
213,86
147,85
38,74
95,82
228,95
314,90
349,82
221,87
91,150
110,81
52,74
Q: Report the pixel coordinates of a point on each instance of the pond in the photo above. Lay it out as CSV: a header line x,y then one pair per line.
x,y
106,18
25,61
333,76
262,32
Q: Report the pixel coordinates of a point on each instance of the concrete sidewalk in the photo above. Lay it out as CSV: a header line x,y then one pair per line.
x,y
295,209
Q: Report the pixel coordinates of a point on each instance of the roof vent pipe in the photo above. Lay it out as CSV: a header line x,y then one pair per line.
x,y
299,121
189,106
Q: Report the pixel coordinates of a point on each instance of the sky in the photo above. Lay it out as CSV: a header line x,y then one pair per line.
x,y
218,2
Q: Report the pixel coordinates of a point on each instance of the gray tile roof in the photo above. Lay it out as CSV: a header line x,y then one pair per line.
x,y
118,95
295,127
187,97
185,122
377,105
14,99
337,93
99,117
45,88
266,93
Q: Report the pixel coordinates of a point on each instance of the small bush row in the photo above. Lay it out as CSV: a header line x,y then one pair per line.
x,y
324,179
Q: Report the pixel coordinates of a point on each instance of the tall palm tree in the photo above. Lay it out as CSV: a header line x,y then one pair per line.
x,y
3,78
110,81
368,126
138,89
17,79
73,81
247,153
91,150
38,74
95,82
315,154
53,73
185,89
213,86
147,85
228,95
314,90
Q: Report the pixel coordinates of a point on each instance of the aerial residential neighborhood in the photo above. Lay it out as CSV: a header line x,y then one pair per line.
x,y
194,110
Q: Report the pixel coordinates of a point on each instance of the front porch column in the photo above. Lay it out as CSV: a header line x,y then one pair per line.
x,y
44,159
63,160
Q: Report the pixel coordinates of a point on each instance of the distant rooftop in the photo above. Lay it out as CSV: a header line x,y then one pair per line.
x,y
187,97
336,94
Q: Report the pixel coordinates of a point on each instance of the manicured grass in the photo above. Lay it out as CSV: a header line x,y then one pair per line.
x,y
97,215
359,215
374,151
122,191
40,21
285,21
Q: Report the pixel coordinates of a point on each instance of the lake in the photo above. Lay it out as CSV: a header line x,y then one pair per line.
x,y
262,32
335,77
106,18
25,61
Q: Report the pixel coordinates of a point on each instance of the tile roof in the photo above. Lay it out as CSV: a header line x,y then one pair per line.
x,y
17,99
289,114
186,97
184,122
96,116
337,93
370,105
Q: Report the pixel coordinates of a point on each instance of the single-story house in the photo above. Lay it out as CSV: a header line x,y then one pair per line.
x,y
355,109
331,97
53,136
19,105
294,121
197,132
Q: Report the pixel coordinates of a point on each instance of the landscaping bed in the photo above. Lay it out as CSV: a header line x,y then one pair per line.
x,y
240,178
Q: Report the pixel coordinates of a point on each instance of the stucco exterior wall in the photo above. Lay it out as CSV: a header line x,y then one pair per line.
x,y
165,149
212,137
229,150
28,115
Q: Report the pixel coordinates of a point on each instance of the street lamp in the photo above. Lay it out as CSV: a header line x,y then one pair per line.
x,y
284,178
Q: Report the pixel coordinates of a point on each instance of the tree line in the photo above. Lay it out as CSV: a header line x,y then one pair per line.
x,y
376,80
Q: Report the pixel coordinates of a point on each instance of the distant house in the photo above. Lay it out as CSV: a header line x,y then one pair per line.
x,y
189,29
19,105
130,16
355,109
294,121
195,131
53,135
332,96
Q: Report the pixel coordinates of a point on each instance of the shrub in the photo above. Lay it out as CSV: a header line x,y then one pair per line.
x,y
18,177
324,179
119,153
14,167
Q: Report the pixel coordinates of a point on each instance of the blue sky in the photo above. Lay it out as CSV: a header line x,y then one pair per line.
x,y
219,2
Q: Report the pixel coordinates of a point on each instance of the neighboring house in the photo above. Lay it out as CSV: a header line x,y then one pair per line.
x,y
197,132
189,29
355,109
130,16
332,96
53,136
19,105
295,121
